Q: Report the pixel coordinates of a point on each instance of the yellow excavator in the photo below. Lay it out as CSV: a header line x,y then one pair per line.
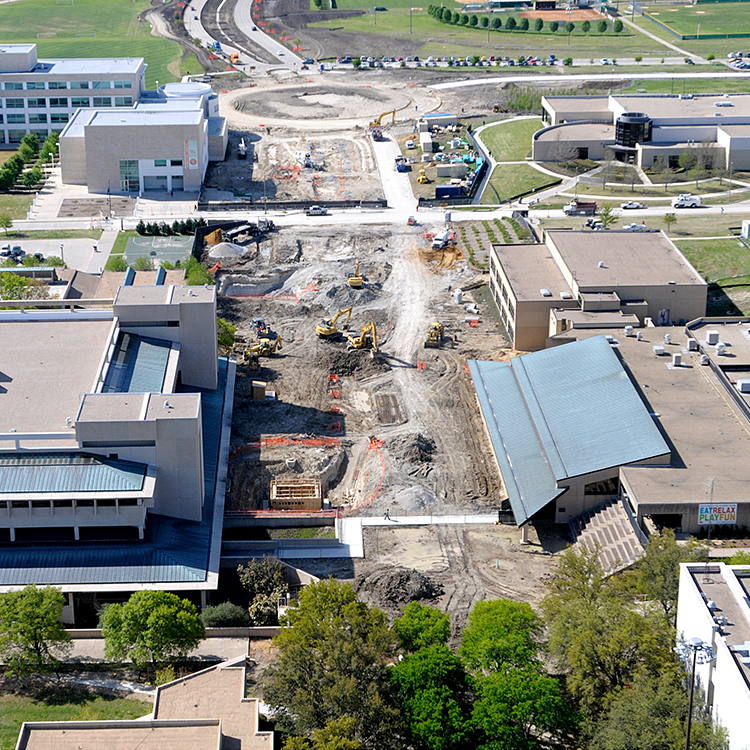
x,y
368,339
355,280
376,122
423,178
265,347
434,336
327,327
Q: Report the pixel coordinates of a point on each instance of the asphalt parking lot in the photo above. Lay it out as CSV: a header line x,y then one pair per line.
x,y
77,253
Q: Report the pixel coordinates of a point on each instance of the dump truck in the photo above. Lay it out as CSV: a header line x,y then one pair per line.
x,y
580,208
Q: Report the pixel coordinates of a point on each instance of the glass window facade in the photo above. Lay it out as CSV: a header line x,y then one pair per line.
x,y
59,117
58,84
102,101
55,102
37,117
79,84
16,136
632,128
36,103
123,85
130,181
34,85
175,162
16,119
101,85
14,103
160,162
80,101
13,86
123,101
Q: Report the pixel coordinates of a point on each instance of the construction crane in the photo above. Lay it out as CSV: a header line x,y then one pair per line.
x,y
368,339
434,336
355,280
327,327
265,347
376,122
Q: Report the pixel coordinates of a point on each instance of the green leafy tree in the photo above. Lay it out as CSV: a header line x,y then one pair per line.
x,y
669,221
496,23
473,20
601,27
152,627
586,27
570,27
332,662
421,626
456,17
435,700
226,332
13,286
32,637
554,26
510,23
6,222
337,734
263,579
143,263
608,214
688,158
524,24
464,19
538,24
485,22
618,27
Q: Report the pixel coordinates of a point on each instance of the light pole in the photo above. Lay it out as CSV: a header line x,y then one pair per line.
x,y
702,654
410,16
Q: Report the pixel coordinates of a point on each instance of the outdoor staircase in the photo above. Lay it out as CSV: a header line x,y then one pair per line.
x,y
609,525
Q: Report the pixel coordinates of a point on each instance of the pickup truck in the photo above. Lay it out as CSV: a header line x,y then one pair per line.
x,y
686,200
316,211
580,208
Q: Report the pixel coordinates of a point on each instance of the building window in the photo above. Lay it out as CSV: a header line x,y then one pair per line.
x,y
80,101
123,101
36,118
58,103
36,103
40,134
79,84
101,85
175,162
59,117
1,119
16,119
130,181
123,85
35,85
102,101
13,86
16,136
160,162
58,84
14,103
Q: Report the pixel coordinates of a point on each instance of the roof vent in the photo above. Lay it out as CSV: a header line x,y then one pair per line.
x,y
704,359
190,293
600,264
639,335
721,347
628,330
566,295
545,292
167,405
667,338
68,421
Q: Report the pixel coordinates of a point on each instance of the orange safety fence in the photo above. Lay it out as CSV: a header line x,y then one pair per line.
x,y
271,442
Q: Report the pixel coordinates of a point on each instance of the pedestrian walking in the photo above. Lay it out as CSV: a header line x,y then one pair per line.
x,y
387,516
722,209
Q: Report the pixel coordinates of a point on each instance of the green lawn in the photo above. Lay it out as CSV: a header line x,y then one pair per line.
x,y
717,260
54,234
511,141
190,65
122,241
729,18
114,22
61,704
510,180
679,85
658,191
15,205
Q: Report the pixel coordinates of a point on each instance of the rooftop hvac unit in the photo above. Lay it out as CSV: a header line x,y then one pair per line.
x,y
677,360
692,345
712,337
743,386
610,339
628,330
545,292
667,338
704,359
659,351
566,295
721,348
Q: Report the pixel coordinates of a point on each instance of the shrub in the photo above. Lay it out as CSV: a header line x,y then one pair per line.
x,y
601,27
143,263
196,274
464,19
496,23
165,675
524,25
554,26
485,22
711,57
538,24
570,27
568,61
456,16
473,20
510,24
115,263
140,227
225,615
586,27
618,27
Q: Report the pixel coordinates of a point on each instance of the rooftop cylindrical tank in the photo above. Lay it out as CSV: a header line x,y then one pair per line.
x,y
185,90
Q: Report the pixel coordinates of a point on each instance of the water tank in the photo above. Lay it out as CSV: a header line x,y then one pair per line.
x,y
632,128
458,296
185,90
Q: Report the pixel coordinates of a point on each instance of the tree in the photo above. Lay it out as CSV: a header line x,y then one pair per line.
x,y
32,637
586,27
473,20
6,222
13,286
669,220
538,24
464,19
225,615
332,662
496,23
510,24
706,154
485,22
421,626
618,27
226,332
570,27
432,690
607,166
563,151
456,16
554,26
688,158
608,215
263,579
524,24
601,27
639,59
152,627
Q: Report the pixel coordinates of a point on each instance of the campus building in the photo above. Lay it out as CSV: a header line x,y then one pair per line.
x,y
640,128
585,279
713,606
112,416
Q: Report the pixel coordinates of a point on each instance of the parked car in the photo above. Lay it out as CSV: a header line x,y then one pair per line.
x,y
605,61
309,61
5,250
632,204
316,211
635,227
39,257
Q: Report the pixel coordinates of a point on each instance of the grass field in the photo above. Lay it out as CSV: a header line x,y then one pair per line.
x,y
118,33
54,234
717,260
510,180
680,85
62,704
511,141
713,19
16,206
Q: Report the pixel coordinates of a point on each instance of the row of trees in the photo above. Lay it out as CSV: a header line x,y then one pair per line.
x,y
346,680
161,228
446,15
13,169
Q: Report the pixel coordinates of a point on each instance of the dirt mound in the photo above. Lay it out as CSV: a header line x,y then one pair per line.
x,y
417,499
393,588
355,364
414,449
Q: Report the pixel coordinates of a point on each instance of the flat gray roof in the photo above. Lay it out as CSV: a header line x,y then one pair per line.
x,y
530,268
89,66
573,131
671,106
127,117
45,368
16,48
163,295
577,103
630,259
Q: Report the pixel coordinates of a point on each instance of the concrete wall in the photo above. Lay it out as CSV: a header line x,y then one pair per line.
x,y
543,149
73,160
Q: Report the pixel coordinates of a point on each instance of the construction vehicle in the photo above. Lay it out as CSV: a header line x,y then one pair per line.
x,y
234,58
434,336
498,108
355,280
377,134
376,122
368,339
327,327
423,178
265,347
260,327
412,222
266,225
251,361
580,208
242,149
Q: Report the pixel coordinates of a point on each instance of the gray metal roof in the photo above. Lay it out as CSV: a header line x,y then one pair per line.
x,y
138,365
560,413
68,472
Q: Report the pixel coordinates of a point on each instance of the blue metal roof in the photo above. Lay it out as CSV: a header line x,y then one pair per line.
x,y
174,551
138,365
68,472
560,413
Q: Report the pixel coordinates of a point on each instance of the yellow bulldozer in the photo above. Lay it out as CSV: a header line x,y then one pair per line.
x,y
327,327
368,339
355,280
434,336
265,347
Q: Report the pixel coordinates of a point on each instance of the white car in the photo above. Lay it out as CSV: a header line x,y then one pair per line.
x,y
605,61
632,204
635,227
280,53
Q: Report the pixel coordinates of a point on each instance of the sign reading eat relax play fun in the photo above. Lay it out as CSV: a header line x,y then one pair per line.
x,y
717,514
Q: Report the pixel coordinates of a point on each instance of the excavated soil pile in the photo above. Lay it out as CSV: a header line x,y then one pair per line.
x,y
392,589
355,364
413,449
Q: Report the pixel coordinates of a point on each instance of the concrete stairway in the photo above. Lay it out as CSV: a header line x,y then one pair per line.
x,y
608,525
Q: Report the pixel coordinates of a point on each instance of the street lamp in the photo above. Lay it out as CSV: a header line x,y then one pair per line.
x,y
52,158
702,654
